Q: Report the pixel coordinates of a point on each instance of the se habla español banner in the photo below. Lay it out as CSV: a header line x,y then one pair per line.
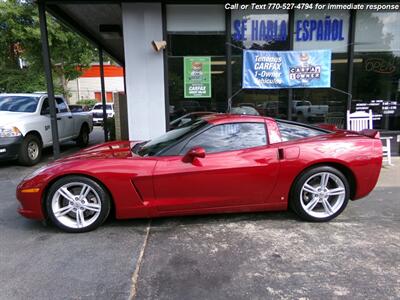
x,y
286,69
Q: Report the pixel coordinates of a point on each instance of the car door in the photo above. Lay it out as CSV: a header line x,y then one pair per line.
x,y
46,122
64,120
239,169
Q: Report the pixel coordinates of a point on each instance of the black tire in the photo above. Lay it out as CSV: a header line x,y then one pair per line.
x,y
25,155
104,199
295,200
83,138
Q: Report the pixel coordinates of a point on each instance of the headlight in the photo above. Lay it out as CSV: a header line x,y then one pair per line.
x,y
8,131
110,115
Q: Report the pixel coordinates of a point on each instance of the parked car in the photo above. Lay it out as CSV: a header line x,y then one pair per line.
x,y
244,110
306,111
25,127
75,108
78,108
220,163
97,112
191,117
276,109
185,107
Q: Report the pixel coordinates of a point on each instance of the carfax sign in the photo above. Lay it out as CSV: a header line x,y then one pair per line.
x,y
286,69
197,77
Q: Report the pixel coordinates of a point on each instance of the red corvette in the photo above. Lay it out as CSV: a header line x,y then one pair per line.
x,y
216,164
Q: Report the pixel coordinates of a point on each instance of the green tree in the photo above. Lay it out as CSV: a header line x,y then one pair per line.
x,y
20,39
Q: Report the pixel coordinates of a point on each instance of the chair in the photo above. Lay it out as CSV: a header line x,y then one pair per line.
x,y
360,120
335,119
386,149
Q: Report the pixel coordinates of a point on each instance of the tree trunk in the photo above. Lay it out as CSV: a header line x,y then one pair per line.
x,y
64,84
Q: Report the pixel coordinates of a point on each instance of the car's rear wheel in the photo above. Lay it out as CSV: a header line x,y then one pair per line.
x,y
83,138
320,194
77,204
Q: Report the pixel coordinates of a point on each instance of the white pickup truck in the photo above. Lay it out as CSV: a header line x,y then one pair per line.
x,y
97,112
305,110
25,127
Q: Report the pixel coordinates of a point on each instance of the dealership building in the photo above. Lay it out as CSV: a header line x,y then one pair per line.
x,y
365,63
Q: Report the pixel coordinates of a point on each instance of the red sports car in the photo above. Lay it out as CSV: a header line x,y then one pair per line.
x,y
216,164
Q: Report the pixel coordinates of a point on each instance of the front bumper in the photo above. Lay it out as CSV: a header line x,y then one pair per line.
x,y
9,147
97,121
31,203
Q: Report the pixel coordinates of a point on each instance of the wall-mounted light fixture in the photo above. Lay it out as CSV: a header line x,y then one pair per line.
x,y
159,45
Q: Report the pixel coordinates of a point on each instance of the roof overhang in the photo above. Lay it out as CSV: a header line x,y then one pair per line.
x,y
100,22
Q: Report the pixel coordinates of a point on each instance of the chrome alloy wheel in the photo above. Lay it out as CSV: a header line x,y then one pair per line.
x,y
76,205
33,150
322,195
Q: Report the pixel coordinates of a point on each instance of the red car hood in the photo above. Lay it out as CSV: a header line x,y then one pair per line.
x,y
116,149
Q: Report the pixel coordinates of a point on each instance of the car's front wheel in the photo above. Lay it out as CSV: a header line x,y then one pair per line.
x,y
77,204
320,194
30,151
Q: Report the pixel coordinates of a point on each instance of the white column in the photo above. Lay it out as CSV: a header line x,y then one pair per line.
x,y
142,23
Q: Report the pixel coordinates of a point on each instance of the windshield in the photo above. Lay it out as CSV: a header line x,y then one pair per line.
x,y
19,103
154,146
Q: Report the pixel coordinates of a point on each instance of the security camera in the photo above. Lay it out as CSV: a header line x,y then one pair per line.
x,y
159,45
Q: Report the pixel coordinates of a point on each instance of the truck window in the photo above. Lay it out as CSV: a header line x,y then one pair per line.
x,y
61,105
18,103
45,110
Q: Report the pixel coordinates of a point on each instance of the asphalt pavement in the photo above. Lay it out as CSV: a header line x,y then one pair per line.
x,y
236,256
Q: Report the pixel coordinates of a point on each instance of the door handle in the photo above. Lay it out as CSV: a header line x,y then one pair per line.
x,y
69,117
58,118
281,154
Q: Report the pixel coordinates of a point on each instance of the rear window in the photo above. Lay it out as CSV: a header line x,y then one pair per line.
x,y
291,131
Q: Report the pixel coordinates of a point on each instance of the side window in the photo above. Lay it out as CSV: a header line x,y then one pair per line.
x,y
228,137
45,110
293,131
62,107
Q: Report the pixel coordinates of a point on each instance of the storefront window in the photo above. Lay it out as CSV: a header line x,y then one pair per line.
x,y
323,30
258,30
376,82
196,31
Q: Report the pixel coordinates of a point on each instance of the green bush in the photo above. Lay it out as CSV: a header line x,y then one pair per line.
x,y
87,102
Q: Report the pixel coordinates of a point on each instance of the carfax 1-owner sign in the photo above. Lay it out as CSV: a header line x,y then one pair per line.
x,y
286,69
197,77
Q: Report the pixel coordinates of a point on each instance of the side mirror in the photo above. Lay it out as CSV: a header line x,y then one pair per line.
x,y
193,153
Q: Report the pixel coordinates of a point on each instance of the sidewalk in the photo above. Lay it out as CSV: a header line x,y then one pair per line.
x,y
390,175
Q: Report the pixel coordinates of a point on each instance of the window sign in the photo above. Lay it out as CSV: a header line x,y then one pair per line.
x,y
257,27
197,76
286,69
378,107
321,30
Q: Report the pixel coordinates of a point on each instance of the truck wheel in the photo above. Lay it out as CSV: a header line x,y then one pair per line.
x,y
30,151
83,138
